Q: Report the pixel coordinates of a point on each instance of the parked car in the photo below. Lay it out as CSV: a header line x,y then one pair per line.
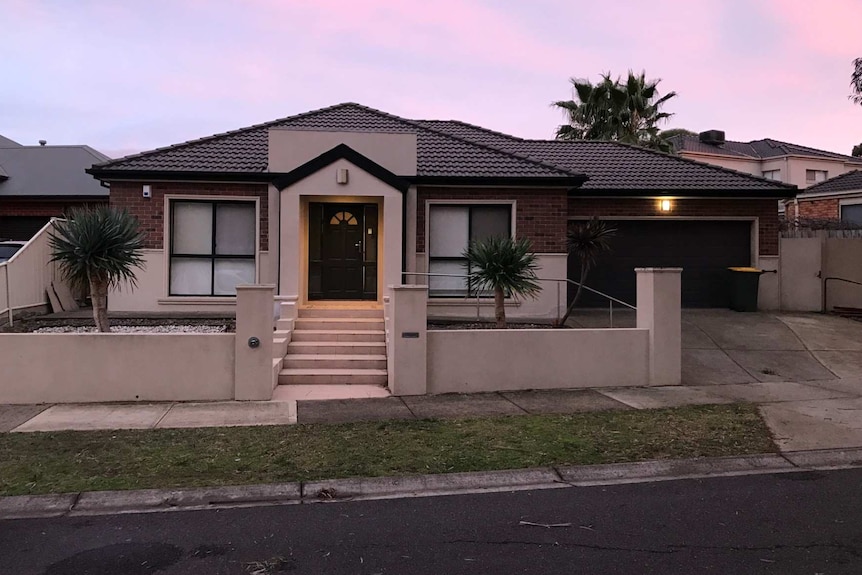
x,y
8,249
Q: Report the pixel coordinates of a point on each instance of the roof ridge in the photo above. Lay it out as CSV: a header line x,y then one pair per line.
x,y
474,143
783,145
220,135
478,127
702,164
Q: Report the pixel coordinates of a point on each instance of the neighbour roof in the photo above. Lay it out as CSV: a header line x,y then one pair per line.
x,y
755,149
847,182
7,143
452,149
49,171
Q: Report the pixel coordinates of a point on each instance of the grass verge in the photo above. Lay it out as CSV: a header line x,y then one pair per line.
x,y
98,460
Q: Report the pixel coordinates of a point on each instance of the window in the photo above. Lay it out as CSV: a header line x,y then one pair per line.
x,y
450,230
772,174
815,176
851,213
212,247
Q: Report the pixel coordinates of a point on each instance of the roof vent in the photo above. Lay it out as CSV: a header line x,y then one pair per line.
x,y
43,142
712,137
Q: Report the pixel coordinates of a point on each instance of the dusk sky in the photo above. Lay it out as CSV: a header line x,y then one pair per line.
x,y
130,75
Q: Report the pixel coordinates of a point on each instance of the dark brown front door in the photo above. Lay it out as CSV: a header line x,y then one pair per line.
x,y
342,251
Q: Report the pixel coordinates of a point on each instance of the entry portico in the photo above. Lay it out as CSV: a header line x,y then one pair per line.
x,y
340,230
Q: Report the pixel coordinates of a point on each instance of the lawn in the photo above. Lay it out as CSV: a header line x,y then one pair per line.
x,y
98,460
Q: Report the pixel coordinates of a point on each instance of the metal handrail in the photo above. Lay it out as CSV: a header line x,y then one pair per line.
x,y
610,299
826,287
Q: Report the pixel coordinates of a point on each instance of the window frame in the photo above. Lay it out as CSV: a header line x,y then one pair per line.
x,y
843,203
814,173
776,173
214,201
470,292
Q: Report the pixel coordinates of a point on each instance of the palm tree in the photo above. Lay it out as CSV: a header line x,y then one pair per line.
x,y
98,248
856,81
587,241
628,112
504,265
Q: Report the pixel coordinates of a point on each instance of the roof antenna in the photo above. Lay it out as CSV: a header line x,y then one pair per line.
x,y
43,142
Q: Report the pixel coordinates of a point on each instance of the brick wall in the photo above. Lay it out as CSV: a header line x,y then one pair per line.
x,y
540,215
765,210
825,209
46,208
150,211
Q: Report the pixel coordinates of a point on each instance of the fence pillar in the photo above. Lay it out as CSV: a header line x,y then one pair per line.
x,y
408,359
659,310
253,369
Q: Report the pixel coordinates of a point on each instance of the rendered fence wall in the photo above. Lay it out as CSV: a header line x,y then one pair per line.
x,y
67,368
27,275
469,361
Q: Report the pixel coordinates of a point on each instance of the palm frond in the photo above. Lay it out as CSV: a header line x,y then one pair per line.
x,y
503,262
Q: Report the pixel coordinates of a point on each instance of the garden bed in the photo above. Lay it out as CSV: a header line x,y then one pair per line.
x,y
42,324
460,324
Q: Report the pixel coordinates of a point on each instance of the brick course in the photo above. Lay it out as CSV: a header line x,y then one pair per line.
x,y
150,211
540,215
824,209
765,210
46,208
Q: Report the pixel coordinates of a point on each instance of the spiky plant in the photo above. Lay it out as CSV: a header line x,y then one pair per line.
x,y
504,265
98,248
587,241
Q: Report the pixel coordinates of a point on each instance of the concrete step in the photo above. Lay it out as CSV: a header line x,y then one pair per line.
x,y
329,376
341,313
337,347
363,323
321,361
328,335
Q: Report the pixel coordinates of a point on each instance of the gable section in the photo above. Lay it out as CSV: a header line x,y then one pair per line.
x,y
339,152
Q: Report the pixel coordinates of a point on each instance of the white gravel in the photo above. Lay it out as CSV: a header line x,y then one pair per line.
x,y
137,329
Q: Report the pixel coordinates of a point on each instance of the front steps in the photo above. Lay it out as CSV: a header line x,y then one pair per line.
x,y
335,346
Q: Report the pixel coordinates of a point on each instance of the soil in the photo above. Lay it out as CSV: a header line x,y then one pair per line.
x,y
32,323
487,325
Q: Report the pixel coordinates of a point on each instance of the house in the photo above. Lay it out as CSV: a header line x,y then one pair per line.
x,y
771,159
335,204
41,182
838,198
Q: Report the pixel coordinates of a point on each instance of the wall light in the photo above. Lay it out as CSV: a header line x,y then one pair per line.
x,y
341,176
665,205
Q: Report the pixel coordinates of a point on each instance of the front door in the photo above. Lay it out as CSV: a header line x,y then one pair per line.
x,y
342,251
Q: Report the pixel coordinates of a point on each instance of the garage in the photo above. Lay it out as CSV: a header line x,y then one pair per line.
x,y
703,248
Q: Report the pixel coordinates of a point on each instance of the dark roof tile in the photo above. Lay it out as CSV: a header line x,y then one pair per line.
x,y
847,182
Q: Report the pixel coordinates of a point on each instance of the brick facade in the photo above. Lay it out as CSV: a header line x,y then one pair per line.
x,y
150,211
765,210
540,215
42,208
823,209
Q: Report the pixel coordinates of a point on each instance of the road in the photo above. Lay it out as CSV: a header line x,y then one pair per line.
x,y
795,523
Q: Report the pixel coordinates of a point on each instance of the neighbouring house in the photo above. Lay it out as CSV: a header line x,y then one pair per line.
x,y
41,182
771,159
837,199
336,204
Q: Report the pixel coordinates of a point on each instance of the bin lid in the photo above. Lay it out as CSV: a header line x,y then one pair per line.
x,y
746,270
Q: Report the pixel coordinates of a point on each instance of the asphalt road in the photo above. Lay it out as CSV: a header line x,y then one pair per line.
x,y
805,523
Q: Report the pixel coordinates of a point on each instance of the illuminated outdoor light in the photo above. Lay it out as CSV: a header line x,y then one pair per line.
x,y
665,205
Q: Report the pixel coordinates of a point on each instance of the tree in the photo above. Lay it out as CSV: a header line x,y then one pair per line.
x,y
98,248
628,112
857,151
504,265
856,81
587,241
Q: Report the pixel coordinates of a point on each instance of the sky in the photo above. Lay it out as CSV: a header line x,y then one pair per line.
x,y
132,75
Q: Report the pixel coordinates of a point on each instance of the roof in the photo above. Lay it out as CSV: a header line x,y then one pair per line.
x,y
7,143
847,182
453,149
49,171
756,149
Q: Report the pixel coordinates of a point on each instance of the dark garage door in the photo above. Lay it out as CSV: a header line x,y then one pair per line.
x,y
21,227
704,249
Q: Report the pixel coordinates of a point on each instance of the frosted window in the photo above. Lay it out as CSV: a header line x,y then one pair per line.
x,y
447,286
489,221
449,229
235,229
230,273
192,228
191,276
852,213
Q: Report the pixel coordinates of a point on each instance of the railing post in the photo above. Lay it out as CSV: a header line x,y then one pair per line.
x,y
611,303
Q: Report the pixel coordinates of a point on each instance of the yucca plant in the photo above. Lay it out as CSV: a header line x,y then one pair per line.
x,y
587,241
504,265
98,249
